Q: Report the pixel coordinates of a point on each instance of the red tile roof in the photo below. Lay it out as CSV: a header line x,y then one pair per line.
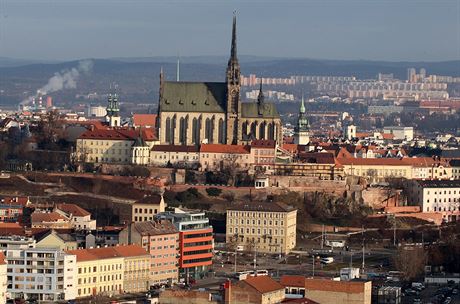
x,y
46,217
406,161
73,209
118,134
145,120
17,200
293,148
263,143
293,281
122,251
219,148
334,286
263,284
175,148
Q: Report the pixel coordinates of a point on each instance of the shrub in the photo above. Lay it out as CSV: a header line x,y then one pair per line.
x,y
213,191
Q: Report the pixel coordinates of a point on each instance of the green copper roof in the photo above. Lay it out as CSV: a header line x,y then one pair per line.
x,y
250,110
207,97
302,106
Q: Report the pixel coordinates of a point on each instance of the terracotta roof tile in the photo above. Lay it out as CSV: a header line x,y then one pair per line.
x,y
144,120
263,284
73,209
219,148
334,286
293,280
2,258
40,217
122,251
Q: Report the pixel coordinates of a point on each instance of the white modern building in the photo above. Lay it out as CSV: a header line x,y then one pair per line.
x,y
441,196
41,274
400,133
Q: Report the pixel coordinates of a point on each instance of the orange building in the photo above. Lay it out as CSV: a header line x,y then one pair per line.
x,y
195,241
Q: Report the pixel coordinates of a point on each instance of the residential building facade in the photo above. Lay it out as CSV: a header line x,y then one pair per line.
x,y
147,207
264,227
161,239
41,274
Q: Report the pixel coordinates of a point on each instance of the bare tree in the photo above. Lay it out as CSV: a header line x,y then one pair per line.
x,y
411,262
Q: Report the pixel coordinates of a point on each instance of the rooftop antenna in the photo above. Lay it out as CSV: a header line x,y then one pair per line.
x,y
178,69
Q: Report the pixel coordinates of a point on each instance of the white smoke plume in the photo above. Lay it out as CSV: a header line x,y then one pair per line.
x,y
66,79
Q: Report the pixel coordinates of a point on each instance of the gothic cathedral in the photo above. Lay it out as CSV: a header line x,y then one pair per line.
x,y
191,113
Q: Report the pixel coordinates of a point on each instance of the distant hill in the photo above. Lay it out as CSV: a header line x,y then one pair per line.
x,y
138,78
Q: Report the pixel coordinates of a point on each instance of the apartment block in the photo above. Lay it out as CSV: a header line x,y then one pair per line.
x,y
195,241
265,227
41,274
161,239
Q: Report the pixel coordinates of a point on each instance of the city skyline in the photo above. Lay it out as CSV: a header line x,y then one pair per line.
x,y
353,30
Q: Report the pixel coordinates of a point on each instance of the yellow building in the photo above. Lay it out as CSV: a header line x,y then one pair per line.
x,y
265,227
146,208
116,146
53,239
102,271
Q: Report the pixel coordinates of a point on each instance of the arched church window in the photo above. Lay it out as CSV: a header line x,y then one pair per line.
x,y
253,130
271,131
221,131
262,130
183,131
168,130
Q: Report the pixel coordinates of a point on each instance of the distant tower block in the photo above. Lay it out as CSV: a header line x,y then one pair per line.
x,y
49,102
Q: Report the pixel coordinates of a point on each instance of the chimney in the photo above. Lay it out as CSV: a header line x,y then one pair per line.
x,y
228,292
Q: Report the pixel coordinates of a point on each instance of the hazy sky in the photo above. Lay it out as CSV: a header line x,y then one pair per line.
x,y
339,29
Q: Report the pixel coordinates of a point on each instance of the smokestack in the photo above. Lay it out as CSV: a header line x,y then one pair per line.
x,y
49,102
40,102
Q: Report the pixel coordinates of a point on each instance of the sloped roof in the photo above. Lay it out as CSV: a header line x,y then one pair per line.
x,y
122,251
150,199
220,148
293,281
175,148
46,217
251,110
263,143
209,97
334,286
262,206
263,284
118,134
145,120
73,209
2,258
155,227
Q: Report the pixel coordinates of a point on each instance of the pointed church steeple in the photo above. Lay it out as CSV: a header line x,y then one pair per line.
x,y
233,68
233,56
302,106
261,97
233,132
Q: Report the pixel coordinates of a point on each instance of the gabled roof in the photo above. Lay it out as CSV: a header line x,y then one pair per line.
x,y
334,286
262,206
145,120
122,251
317,157
154,199
263,284
263,143
155,227
206,97
293,281
175,148
46,217
73,209
16,200
220,148
117,134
